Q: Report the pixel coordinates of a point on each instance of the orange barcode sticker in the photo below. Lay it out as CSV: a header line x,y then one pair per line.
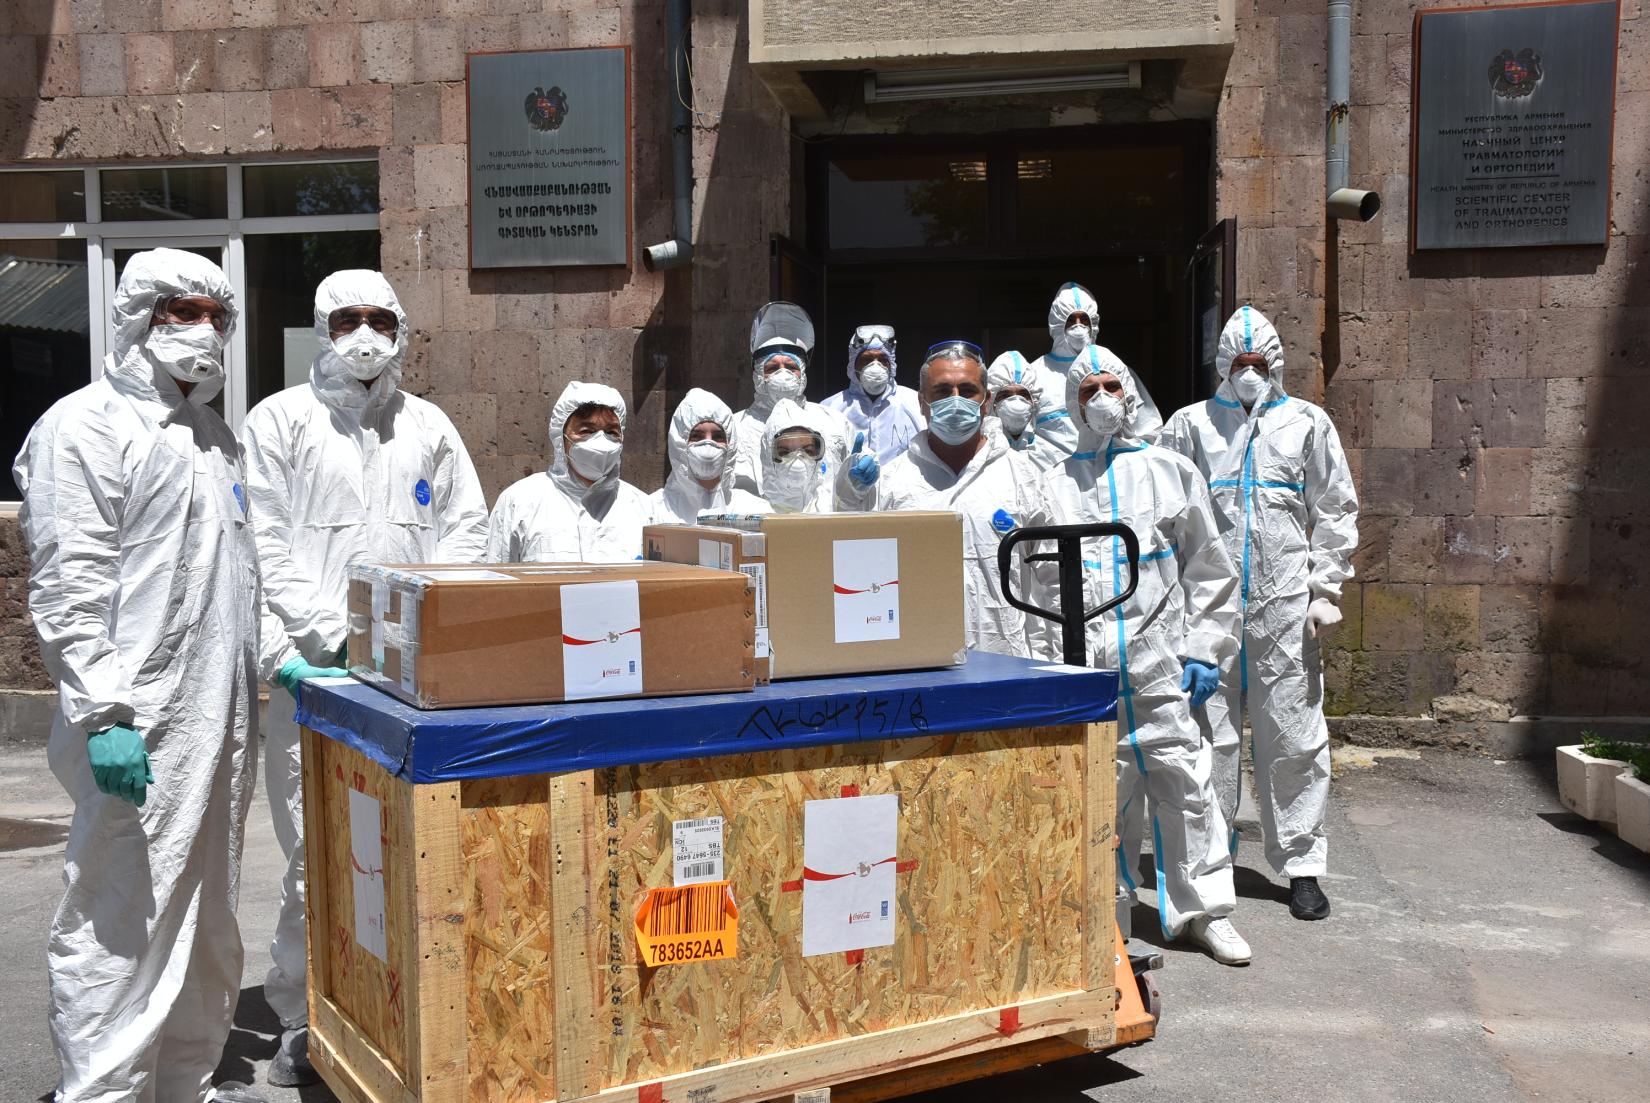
x,y
691,923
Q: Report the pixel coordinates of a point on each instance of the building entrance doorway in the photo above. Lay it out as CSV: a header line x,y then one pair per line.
x,y
971,236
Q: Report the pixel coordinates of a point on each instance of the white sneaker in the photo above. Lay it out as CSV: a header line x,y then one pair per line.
x,y
1220,938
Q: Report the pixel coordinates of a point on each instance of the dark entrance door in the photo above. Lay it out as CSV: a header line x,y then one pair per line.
x,y
969,236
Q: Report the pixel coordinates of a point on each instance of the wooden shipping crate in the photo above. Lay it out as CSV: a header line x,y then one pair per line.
x,y
511,969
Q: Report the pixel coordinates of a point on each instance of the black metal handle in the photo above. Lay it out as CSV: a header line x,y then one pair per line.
x,y
1068,540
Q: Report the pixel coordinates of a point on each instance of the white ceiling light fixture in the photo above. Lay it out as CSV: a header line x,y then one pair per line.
x,y
934,84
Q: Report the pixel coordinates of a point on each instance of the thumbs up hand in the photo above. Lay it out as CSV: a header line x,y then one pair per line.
x,y
863,470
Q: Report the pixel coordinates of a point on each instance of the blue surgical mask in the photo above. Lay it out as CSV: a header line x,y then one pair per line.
x,y
954,420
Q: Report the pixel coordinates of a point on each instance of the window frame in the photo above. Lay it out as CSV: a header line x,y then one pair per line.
x,y
102,237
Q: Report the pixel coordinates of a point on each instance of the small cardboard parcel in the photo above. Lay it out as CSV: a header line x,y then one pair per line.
x,y
842,593
538,633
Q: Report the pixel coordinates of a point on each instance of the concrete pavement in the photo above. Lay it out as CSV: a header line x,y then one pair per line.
x,y
1486,944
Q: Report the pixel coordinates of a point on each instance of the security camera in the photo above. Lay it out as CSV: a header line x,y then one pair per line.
x,y
667,255
1354,203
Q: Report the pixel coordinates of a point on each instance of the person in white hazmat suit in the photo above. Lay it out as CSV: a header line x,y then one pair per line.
x,y
702,444
889,414
963,463
580,510
1016,403
1166,642
1278,474
1074,325
797,476
346,468
145,594
782,340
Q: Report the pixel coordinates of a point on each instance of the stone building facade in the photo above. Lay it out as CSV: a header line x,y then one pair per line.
x,y
1488,399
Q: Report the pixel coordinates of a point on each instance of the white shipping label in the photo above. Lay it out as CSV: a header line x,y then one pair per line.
x,y
865,585
409,640
601,640
366,854
758,573
850,851
696,850
710,554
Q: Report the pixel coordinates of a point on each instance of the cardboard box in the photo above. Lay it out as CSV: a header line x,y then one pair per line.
x,y
839,593
533,633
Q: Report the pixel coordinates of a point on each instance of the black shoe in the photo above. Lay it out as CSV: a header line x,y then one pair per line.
x,y
1306,899
233,1091
291,1067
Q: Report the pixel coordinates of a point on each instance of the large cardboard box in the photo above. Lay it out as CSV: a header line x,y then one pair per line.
x,y
840,593
531,633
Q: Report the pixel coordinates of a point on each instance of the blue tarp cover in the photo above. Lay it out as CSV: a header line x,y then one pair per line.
x,y
988,692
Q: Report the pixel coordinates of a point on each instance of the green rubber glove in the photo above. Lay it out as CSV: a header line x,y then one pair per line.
x,y
120,764
297,670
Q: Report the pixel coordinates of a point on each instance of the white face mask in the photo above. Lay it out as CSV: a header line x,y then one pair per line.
x,y
1014,412
595,457
873,377
1077,335
792,483
365,352
782,384
1250,385
191,354
1104,413
706,459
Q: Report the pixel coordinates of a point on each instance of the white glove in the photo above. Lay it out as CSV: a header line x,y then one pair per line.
x,y
1321,617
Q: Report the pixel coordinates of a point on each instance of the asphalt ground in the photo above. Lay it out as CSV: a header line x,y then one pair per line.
x,y
1486,944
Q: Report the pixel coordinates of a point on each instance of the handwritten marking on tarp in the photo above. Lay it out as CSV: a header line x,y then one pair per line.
x,y
868,715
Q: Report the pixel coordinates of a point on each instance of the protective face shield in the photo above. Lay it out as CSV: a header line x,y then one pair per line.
x,y
707,459
782,383
190,354
792,483
365,352
873,377
1250,385
1014,412
1105,414
954,420
595,457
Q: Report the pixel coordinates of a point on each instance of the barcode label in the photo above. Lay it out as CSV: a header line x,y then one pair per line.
x,y
717,820
696,850
693,923
696,909
699,869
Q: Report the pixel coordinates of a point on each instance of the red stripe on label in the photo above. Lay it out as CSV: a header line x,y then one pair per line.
x,y
845,590
815,875
853,957
790,886
574,642
1008,1021
650,1093
850,790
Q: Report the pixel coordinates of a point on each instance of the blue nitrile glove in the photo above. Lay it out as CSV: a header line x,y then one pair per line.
x,y
120,764
297,670
862,469
1200,680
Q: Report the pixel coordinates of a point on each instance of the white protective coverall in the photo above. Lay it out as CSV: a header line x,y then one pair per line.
x,y
683,498
1056,423
1183,608
144,591
341,473
1279,476
890,420
555,517
996,492
1012,369
820,494
783,327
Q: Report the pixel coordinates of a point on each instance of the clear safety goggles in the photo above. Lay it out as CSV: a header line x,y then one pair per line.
x,y
882,336
954,349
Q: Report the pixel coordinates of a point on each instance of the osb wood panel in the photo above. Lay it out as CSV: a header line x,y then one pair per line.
x,y
374,994
991,914
505,837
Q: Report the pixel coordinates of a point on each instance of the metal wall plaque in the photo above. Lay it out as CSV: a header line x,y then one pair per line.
x,y
550,158
1512,110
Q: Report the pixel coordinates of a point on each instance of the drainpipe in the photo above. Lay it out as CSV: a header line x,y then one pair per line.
x,y
678,251
1344,202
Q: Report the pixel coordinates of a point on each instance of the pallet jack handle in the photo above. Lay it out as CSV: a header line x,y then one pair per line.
x,y
1068,540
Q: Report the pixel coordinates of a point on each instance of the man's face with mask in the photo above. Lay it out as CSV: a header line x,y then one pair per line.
x,y
186,337
594,439
1103,403
364,339
781,375
1250,377
874,371
1014,407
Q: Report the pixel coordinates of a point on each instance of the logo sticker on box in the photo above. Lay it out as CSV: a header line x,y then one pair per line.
x,y
865,589
601,640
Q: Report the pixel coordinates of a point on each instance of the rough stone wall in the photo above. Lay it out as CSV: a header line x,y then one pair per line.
x,y
257,79
1492,401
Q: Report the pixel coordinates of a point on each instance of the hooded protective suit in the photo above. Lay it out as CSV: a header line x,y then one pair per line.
x,y
144,591
782,328
890,420
1182,609
1011,369
556,517
794,488
1279,476
683,497
341,473
1057,424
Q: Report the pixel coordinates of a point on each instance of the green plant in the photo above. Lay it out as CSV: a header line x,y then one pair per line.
x,y
1636,755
